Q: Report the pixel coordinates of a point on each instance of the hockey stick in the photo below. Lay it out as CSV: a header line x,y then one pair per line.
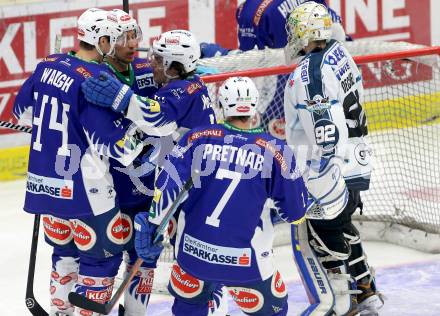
x,y
31,302
87,304
20,128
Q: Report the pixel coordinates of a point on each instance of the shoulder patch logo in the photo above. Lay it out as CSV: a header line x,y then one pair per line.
x,y
193,87
83,71
142,65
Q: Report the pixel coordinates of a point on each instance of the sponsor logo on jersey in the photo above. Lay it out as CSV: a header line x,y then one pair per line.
x,y
214,254
88,281
193,87
185,284
278,156
318,105
145,285
363,154
57,302
115,230
83,72
50,59
100,296
67,278
52,289
57,230
142,65
172,227
249,300
277,286
304,71
260,11
56,188
277,128
205,133
83,235
335,55
145,81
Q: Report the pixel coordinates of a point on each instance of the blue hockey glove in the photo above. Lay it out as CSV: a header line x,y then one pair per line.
x,y
143,241
212,50
107,91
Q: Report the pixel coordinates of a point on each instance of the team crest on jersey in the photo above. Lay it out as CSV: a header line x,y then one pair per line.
x,y
83,235
277,286
185,284
249,300
115,230
57,230
318,105
83,72
193,87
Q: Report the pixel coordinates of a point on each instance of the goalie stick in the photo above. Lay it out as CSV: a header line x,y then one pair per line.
x,y
105,308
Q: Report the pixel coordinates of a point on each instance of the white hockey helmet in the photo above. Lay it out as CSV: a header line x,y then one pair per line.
x,y
94,24
180,46
238,96
126,23
308,22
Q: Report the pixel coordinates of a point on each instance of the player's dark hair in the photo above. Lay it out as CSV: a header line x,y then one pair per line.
x,y
86,46
181,70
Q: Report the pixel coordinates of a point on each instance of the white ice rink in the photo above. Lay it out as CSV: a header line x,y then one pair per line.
x,y
410,279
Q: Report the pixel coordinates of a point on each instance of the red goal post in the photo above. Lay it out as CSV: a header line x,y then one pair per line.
x,y
402,102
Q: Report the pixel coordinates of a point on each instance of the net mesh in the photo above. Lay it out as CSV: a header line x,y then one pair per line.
x,y
402,102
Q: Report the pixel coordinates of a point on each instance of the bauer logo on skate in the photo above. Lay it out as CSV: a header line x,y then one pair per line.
x,y
56,188
240,257
249,300
185,284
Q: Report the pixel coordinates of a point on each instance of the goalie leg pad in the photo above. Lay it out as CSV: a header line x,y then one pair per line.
x,y
313,275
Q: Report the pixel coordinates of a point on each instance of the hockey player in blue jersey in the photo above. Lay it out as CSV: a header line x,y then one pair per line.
x,y
133,186
224,232
181,103
68,179
325,119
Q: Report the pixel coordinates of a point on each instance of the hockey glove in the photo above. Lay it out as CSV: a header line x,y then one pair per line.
x,y
107,91
208,50
143,241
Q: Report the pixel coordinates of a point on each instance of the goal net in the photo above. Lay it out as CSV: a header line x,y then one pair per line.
x,y
402,102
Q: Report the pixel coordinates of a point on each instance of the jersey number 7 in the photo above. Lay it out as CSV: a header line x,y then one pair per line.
x,y
223,174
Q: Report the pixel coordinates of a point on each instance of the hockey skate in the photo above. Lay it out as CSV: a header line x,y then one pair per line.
x,y
369,300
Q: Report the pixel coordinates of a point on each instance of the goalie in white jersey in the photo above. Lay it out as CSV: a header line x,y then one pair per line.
x,y
326,126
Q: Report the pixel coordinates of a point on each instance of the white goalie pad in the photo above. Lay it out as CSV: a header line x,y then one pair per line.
x,y
328,191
